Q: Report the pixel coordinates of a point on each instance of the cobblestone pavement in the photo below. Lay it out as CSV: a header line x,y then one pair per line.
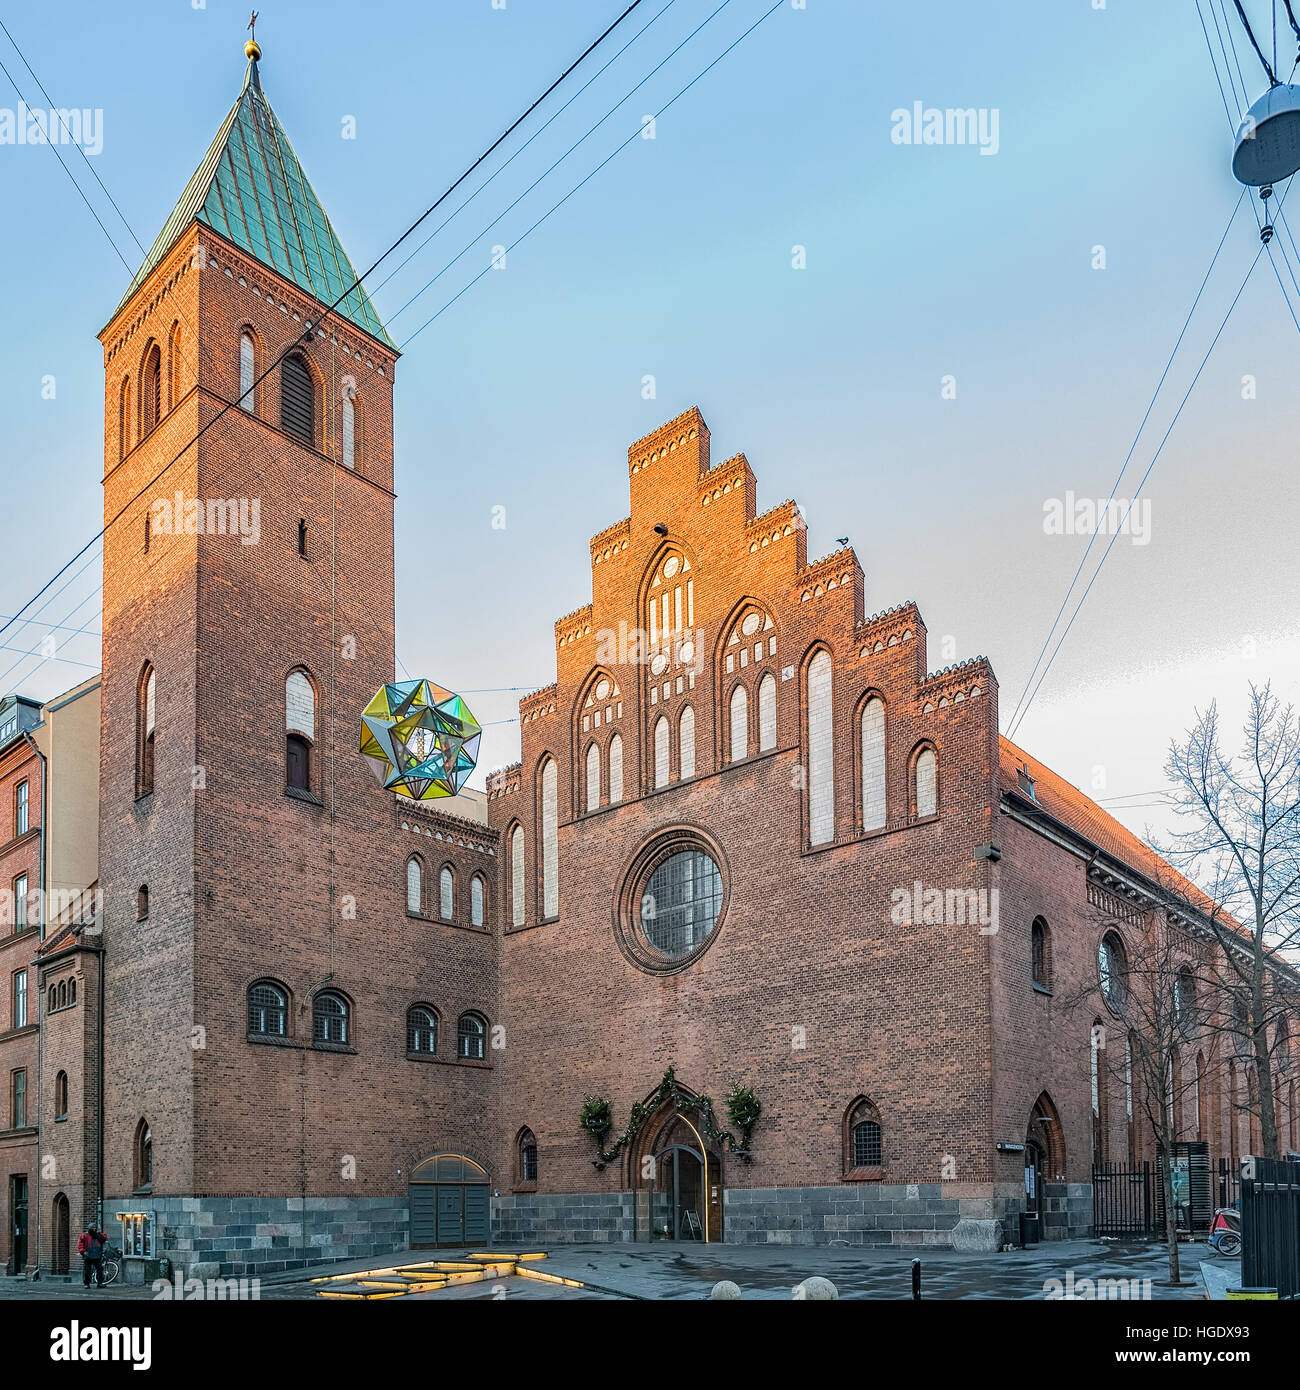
x,y
670,1271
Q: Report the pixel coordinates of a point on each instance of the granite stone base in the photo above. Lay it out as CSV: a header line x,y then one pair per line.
x,y
524,1218
251,1236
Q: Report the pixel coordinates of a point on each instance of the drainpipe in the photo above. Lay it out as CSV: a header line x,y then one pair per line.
x,y
35,996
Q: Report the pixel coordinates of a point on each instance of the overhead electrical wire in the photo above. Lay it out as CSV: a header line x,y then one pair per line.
x,y
618,149
1182,332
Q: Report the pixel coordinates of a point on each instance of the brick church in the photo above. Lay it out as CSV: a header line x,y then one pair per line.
x,y
753,845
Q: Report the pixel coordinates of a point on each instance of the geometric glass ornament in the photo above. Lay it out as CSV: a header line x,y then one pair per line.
x,y
420,740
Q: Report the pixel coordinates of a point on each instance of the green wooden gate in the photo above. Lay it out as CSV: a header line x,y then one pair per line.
x,y
450,1198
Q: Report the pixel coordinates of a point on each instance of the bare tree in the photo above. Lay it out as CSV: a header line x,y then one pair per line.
x,y
1239,837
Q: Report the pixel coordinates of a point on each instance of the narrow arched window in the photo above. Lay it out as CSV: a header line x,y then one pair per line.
x,y
151,390
476,908
63,994
72,991
821,752
686,744
446,894
175,367
247,370
593,777
52,1002
300,729
124,420
146,696
1100,1108
925,777
142,902
550,840
268,1009
739,744
414,885
143,1156
527,1156
517,904
767,713
61,1096
1040,953
422,1030
331,1020
470,1034
1185,998
349,433
873,764
615,769
661,751
297,400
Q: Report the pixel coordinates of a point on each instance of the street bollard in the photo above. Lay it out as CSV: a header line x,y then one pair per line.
x,y
916,1279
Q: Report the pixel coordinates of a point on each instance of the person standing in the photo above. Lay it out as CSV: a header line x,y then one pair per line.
x,y
90,1246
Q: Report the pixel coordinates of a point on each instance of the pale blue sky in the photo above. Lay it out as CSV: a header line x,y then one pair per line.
x,y
674,260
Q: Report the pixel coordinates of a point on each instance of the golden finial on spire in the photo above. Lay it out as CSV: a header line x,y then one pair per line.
x,y
251,49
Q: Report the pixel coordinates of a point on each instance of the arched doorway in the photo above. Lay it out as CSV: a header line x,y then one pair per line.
x,y
60,1251
1044,1152
678,1179
450,1198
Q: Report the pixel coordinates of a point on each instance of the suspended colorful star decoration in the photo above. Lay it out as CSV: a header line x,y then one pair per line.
x,y
420,740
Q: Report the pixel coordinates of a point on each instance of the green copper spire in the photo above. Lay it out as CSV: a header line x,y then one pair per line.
x,y
251,189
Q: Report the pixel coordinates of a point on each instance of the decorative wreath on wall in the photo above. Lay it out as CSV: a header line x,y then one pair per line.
x,y
743,1110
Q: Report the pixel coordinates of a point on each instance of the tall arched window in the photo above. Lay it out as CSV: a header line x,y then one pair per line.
x,y
61,1096
1040,946
414,885
268,1009
821,752
300,731
615,769
151,390
422,1030
471,1032
863,1141
767,713
247,370
143,1156
446,894
146,697
550,840
1100,1114
686,744
873,764
124,419
1112,970
518,906
738,747
661,751
331,1018
297,400
476,895
349,432
175,366
670,608
925,783
1185,998
593,777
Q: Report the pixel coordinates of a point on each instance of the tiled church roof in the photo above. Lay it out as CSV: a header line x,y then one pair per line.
x,y
251,189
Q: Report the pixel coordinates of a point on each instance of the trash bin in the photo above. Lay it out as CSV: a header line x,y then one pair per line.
x,y
1029,1228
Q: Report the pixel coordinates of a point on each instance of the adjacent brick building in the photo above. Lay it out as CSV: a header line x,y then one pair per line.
x,y
752,838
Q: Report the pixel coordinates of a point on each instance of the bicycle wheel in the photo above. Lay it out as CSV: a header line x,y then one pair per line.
x,y
1230,1245
110,1271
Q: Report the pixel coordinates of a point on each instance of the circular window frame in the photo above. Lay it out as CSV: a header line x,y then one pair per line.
x,y
655,850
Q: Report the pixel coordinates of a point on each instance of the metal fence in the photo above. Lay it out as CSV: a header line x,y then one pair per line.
x,y
1270,1225
1129,1200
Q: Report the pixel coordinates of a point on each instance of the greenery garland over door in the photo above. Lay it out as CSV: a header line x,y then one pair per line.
x,y
743,1110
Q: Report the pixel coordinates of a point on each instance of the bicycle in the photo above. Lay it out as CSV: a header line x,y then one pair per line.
x,y
111,1266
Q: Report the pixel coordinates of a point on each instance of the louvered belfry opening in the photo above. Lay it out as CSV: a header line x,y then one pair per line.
x,y
297,399
151,391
